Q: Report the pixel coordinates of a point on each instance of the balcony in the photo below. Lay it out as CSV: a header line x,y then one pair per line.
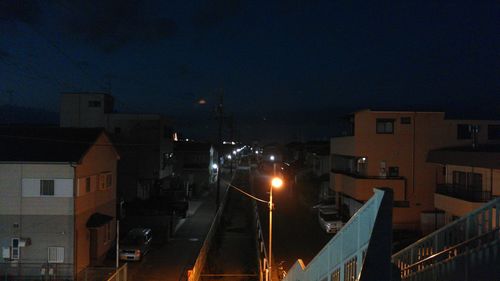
x,y
360,187
464,193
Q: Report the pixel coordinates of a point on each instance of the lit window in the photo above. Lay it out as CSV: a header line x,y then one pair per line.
x,y
385,126
47,187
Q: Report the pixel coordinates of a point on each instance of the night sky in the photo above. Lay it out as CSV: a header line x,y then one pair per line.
x,y
287,68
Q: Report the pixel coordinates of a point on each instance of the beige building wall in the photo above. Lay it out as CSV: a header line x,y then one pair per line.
x,y
406,148
101,159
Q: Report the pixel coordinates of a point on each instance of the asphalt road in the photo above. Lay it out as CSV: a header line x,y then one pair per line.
x,y
296,231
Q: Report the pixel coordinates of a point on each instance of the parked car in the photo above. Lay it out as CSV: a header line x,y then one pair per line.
x,y
136,244
329,219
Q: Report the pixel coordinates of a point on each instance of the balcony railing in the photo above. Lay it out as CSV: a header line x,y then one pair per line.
x,y
357,175
464,192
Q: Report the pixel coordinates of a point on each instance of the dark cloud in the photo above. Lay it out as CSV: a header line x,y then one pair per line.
x,y
214,12
20,10
111,24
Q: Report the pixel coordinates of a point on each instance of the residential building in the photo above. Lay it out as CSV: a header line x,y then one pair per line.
x,y
389,149
466,178
144,141
195,164
57,200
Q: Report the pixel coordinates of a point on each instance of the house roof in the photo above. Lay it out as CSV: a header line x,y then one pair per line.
x,y
46,144
485,156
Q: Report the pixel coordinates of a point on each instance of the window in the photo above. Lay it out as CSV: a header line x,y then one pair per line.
x,y
47,187
459,178
14,250
475,181
393,171
107,232
494,132
109,180
118,130
55,254
405,120
94,103
463,132
87,184
385,126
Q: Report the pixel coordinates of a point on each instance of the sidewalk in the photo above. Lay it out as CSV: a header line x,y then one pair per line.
x,y
169,262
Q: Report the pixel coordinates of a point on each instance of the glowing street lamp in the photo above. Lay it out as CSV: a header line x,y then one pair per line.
x,y
276,182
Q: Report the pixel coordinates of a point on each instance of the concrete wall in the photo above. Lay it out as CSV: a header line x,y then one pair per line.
x,y
76,111
46,221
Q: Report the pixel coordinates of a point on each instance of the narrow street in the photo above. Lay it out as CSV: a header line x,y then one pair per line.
x,y
296,231
233,255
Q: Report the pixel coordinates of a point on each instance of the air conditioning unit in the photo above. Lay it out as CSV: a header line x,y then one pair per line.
x,y
6,252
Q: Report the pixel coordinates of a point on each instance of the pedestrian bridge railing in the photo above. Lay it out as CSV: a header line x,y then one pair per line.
x,y
466,249
343,257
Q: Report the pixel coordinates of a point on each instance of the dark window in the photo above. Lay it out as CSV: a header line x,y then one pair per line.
x,y
94,103
463,132
405,120
87,184
494,132
118,130
475,181
109,180
393,171
47,187
385,126
459,178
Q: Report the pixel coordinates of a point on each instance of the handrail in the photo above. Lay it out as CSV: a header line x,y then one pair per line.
x,y
453,248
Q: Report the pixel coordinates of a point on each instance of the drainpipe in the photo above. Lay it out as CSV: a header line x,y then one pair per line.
x,y
75,245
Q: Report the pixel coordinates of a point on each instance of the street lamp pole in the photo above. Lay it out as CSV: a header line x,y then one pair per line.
x,y
270,231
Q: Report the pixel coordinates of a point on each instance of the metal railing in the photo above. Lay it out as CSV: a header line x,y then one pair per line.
x,y
20,271
464,192
104,273
194,273
446,251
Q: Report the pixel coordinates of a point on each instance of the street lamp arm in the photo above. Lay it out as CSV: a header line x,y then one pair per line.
x,y
248,194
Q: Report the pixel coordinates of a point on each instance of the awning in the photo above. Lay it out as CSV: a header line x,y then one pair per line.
x,y
98,220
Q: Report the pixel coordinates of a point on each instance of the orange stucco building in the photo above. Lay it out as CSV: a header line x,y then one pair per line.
x,y
389,149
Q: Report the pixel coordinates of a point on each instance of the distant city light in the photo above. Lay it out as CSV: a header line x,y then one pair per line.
x,y
175,137
214,166
229,156
271,157
202,101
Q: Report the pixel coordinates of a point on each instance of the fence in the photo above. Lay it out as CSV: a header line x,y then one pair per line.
x,y
15,271
104,273
260,242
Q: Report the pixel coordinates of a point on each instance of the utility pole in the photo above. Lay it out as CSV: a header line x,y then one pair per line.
x,y
220,116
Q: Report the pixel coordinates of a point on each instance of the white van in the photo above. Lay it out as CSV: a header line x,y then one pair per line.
x,y
136,244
